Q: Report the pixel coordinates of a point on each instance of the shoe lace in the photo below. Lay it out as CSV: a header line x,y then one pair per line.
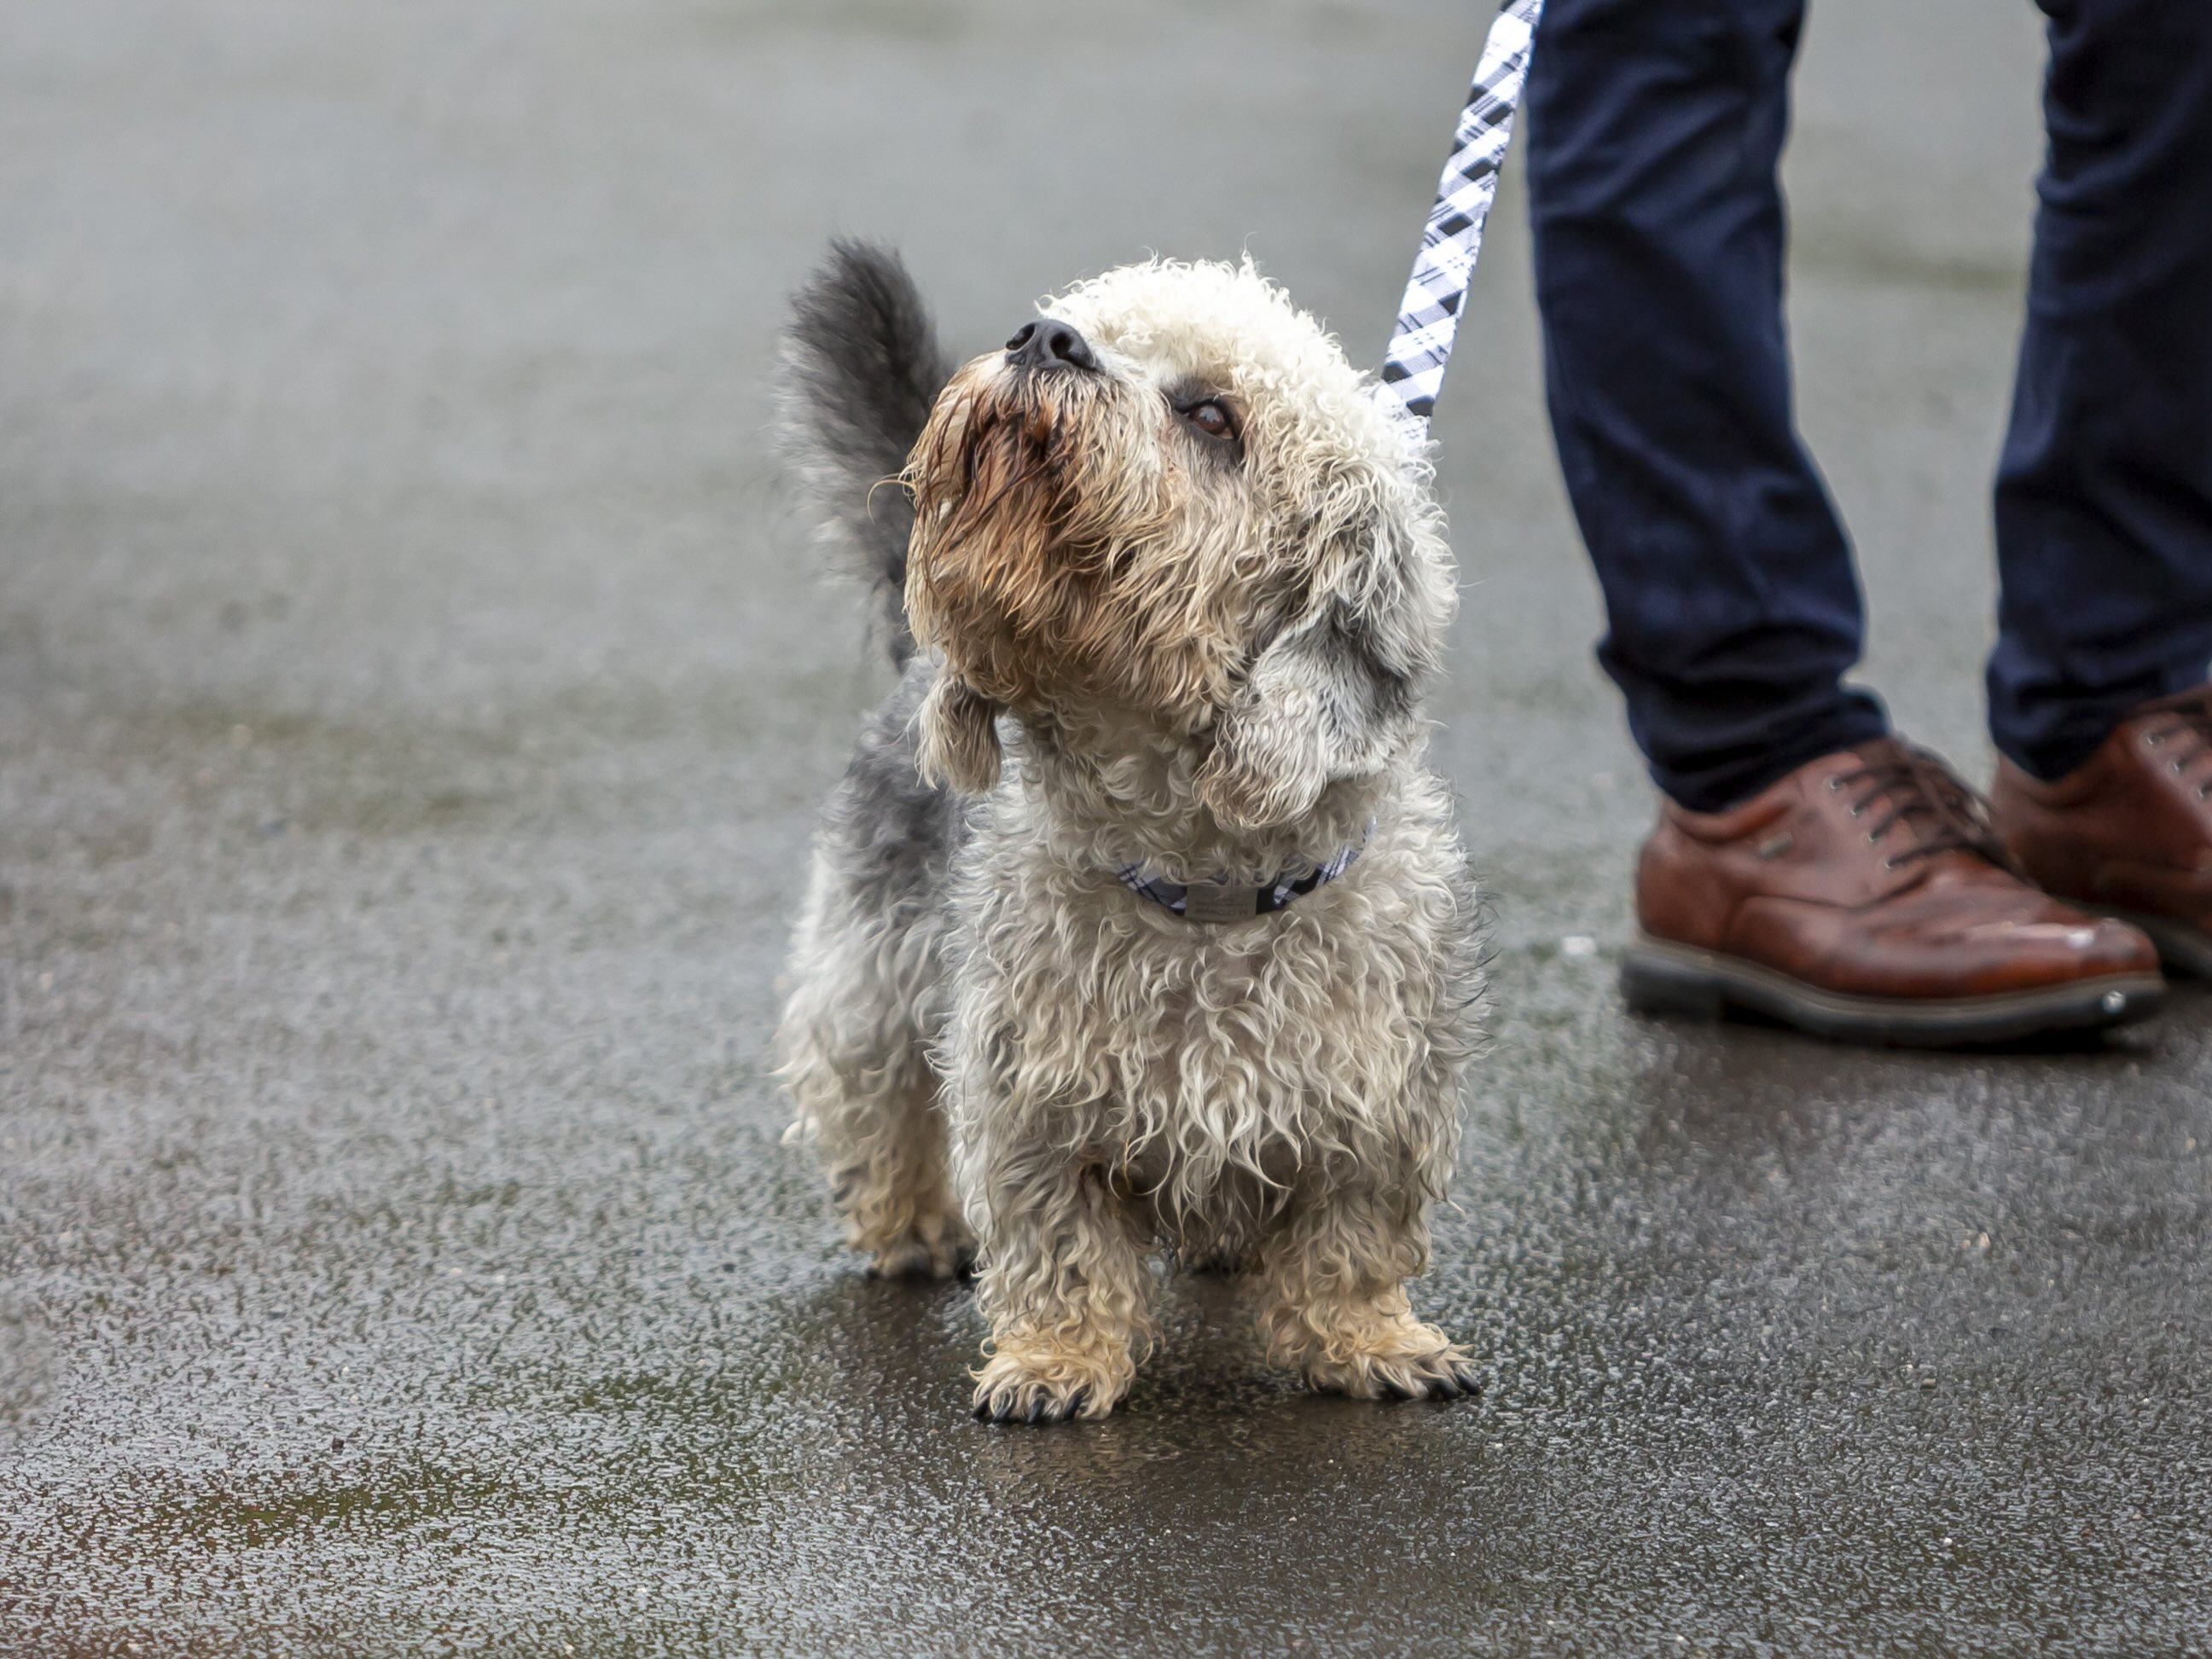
x,y
2185,721
1920,790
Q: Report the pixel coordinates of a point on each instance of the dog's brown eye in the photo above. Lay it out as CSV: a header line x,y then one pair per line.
x,y
1211,419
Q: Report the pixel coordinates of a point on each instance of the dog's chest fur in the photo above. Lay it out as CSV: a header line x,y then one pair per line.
x,y
1206,1068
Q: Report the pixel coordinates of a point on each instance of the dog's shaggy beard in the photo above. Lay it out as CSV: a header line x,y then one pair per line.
x,y
1045,563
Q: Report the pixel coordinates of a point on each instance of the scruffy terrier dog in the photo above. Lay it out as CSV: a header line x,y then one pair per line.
x,y
1138,919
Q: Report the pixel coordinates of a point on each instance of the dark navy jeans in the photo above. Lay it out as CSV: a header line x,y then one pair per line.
x,y
1653,128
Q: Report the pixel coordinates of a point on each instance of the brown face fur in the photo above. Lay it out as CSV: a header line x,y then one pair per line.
x,y
1058,552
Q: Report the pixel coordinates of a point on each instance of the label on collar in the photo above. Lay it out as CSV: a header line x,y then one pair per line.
x,y
1206,901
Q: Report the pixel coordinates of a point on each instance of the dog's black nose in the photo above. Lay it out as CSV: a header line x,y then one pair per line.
x,y
1044,343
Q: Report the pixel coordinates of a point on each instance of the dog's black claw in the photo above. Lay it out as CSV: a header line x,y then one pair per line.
x,y
1454,1381
990,1408
1043,1409
1448,1384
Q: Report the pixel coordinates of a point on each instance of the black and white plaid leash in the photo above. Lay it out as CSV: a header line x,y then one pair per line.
x,y
1428,316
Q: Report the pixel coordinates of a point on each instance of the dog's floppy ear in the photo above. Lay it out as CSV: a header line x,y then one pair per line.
x,y
1333,695
958,747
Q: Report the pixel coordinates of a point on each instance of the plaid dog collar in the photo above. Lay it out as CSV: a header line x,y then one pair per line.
x,y
1215,901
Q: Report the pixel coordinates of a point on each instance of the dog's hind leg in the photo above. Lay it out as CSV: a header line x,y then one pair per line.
x,y
854,1054
865,998
1064,1284
881,1138
1335,1269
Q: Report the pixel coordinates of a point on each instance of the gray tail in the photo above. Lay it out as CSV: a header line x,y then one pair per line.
x,y
862,368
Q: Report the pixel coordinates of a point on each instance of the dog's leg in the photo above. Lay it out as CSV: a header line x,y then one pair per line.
x,y
881,1141
855,1060
885,1158
1335,1269
1063,1281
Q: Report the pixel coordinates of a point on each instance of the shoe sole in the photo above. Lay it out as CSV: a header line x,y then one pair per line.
x,y
1658,976
2182,948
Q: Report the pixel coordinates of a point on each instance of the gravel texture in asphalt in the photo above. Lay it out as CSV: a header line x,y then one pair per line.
x,y
413,704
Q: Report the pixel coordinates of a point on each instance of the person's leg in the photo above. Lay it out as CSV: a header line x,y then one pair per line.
x,y
1733,611
2103,497
1806,864
2098,699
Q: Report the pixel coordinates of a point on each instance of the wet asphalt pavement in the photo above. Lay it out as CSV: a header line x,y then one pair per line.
x,y
412,704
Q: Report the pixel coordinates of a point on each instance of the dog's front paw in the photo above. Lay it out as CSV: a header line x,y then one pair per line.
x,y
1413,1362
1041,1383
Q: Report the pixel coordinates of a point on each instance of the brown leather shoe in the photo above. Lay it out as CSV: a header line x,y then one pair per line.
x,y
1866,898
2129,832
